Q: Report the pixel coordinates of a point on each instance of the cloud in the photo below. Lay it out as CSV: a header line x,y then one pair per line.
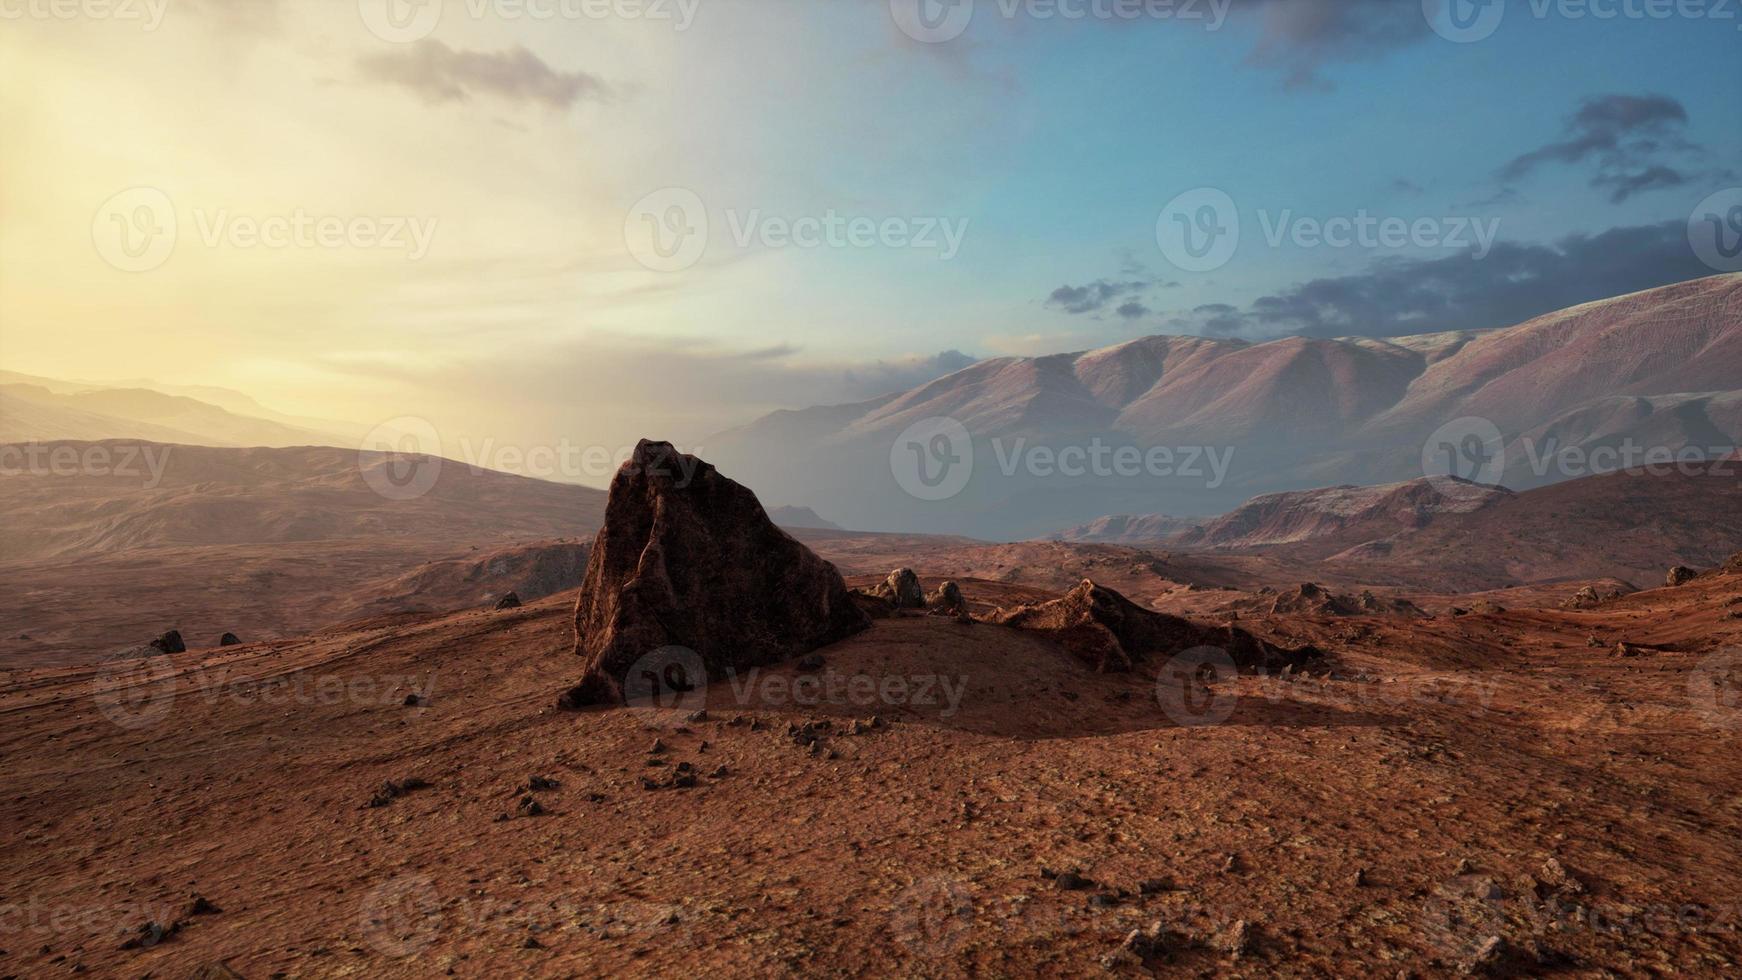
x,y
1515,282
1092,298
1628,140
1096,296
1299,37
438,73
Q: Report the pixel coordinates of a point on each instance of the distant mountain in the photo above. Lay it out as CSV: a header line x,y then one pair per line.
x,y
1131,529
43,409
1662,368
801,517
156,496
1369,513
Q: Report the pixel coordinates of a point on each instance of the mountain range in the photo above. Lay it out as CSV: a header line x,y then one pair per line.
x,y
1560,396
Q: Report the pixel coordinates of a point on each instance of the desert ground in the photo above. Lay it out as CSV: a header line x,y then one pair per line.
x,y
1496,792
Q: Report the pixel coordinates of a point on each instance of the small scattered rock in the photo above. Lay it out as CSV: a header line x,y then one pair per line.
x,y
170,642
530,807
1488,957
1071,881
392,790
1236,940
656,748
150,934
414,700
539,784
200,905
1154,886
229,640
1679,575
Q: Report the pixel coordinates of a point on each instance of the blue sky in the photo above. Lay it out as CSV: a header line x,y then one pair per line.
x,y
541,154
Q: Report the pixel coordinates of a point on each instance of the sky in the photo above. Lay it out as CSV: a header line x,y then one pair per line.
x,y
586,221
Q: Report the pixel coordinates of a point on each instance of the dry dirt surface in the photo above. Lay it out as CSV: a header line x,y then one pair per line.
x,y
1502,793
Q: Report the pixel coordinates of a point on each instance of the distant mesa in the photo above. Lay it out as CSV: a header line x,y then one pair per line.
x,y
1111,633
688,558
1305,515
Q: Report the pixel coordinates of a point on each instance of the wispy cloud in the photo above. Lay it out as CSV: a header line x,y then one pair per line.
x,y
438,73
1634,144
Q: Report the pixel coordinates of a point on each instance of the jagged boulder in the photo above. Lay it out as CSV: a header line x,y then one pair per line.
x,y
902,589
509,601
1679,575
170,642
948,601
229,640
1111,633
688,558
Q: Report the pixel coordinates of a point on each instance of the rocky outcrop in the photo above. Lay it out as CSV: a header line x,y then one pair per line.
x,y
170,642
1111,633
688,558
902,589
1679,575
948,601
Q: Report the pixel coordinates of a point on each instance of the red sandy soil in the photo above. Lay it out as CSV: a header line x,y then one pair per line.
x,y
1447,760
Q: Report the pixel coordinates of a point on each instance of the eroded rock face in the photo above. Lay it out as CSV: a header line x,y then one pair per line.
x,y
1111,633
688,558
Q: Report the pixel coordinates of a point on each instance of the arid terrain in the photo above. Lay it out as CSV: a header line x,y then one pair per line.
x,y
1500,784
1389,817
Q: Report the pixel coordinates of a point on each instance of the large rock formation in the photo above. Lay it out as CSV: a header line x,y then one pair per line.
x,y
688,558
1111,633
